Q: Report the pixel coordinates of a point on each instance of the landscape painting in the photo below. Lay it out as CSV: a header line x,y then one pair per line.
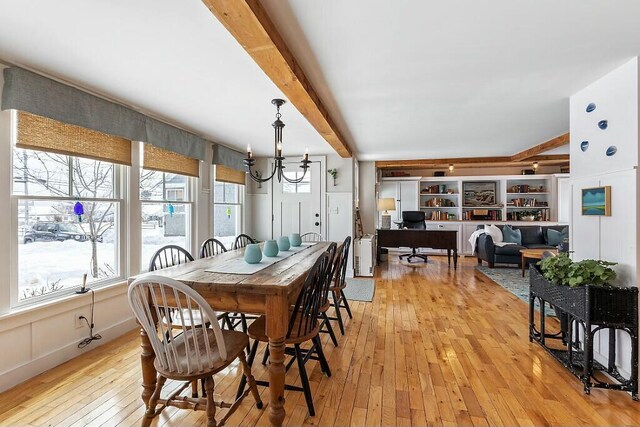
x,y
479,194
596,201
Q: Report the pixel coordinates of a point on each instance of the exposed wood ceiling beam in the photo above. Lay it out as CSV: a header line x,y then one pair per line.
x,y
470,162
556,142
249,23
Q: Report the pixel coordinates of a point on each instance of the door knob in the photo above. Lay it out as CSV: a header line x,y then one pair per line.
x,y
317,223
317,215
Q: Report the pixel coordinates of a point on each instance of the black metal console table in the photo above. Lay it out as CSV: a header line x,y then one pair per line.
x,y
595,308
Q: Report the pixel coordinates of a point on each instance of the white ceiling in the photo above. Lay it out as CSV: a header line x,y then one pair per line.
x,y
403,79
171,58
429,79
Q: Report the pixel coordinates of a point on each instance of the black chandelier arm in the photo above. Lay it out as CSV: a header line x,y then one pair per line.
x,y
249,164
304,167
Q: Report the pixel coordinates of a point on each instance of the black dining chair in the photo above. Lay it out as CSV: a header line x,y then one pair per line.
x,y
243,240
339,284
303,327
414,220
211,247
168,256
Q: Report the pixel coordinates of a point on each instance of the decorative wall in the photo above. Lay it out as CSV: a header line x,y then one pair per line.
x,y
604,151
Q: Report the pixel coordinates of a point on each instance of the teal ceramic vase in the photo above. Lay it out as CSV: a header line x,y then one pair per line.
x,y
295,239
270,248
252,253
283,243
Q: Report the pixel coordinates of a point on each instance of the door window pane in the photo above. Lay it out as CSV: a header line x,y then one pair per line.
x,y
55,248
164,224
303,186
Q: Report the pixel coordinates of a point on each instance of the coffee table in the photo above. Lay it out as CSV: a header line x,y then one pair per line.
x,y
533,254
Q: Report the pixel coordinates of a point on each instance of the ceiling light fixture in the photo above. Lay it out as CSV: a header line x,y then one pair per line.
x,y
451,167
278,166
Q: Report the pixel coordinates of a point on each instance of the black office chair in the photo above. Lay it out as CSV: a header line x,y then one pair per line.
x,y
414,220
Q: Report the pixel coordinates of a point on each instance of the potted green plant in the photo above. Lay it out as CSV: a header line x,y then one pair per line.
x,y
582,289
334,174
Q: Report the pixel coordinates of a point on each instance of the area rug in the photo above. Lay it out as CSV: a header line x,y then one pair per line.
x,y
360,289
511,279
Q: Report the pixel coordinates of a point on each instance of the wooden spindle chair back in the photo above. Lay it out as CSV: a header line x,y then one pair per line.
x,y
312,236
330,269
211,247
193,354
243,240
168,256
304,318
340,276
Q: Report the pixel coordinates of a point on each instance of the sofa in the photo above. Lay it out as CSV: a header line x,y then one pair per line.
x,y
533,237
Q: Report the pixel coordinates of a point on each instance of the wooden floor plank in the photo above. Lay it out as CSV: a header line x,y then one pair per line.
x,y
435,347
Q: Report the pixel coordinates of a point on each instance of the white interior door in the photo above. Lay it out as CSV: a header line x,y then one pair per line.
x,y
297,208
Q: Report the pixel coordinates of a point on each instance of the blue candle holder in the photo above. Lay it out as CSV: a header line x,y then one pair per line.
x,y
270,248
295,239
252,253
283,243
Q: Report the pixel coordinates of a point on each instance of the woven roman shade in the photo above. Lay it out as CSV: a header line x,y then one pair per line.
x,y
44,134
167,161
225,174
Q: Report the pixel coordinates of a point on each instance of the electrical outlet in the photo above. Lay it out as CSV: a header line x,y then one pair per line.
x,y
79,320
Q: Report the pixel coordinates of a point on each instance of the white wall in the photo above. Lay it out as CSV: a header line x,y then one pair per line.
x,y
612,238
368,208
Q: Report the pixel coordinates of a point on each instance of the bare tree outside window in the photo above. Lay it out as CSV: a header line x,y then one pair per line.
x,y
49,185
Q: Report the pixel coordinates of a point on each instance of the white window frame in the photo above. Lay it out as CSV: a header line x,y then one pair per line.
x,y
239,203
189,193
14,293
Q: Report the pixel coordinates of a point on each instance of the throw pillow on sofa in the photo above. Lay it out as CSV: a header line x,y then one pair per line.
x,y
511,236
494,232
555,237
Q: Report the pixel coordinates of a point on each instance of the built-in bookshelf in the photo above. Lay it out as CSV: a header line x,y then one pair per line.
x,y
514,198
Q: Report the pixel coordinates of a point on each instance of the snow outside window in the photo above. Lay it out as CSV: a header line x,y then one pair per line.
x,y
166,212
56,246
227,212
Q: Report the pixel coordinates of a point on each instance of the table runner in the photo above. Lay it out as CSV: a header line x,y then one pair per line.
x,y
240,266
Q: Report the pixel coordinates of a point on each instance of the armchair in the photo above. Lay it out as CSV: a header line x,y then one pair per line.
x,y
414,220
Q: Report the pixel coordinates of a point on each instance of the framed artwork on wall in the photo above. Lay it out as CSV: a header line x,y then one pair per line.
x,y
596,201
479,193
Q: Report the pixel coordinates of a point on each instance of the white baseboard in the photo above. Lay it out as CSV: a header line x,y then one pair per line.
x,y
51,360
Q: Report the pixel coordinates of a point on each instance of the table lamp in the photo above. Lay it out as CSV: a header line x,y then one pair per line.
x,y
386,205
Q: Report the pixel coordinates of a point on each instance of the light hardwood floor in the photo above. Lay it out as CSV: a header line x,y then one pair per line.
x,y
436,347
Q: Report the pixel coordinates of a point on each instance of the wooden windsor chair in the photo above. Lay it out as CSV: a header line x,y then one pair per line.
x,y
195,353
339,284
243,240
312,236
211,247
303,327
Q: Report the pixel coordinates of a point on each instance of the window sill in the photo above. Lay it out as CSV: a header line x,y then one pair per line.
x,y
49,308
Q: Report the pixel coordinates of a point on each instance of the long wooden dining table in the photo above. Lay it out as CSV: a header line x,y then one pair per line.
x,y
270,291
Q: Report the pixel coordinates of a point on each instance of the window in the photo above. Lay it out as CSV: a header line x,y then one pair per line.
x,y
166,212
68,211
227,211
303,186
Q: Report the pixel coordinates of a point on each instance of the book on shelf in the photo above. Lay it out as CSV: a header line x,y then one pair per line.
x,y
442,216
482,214
527,203
525,188
439,202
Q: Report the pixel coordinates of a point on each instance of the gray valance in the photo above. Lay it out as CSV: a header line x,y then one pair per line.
x,y
227,157
27,91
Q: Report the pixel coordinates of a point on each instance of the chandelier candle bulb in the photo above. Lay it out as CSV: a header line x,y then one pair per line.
x,y
279,148
306,154
249,154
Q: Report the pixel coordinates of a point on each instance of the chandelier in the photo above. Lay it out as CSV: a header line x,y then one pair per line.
x,y
278,166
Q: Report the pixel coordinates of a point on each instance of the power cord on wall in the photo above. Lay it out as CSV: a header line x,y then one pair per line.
x,y
85,342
